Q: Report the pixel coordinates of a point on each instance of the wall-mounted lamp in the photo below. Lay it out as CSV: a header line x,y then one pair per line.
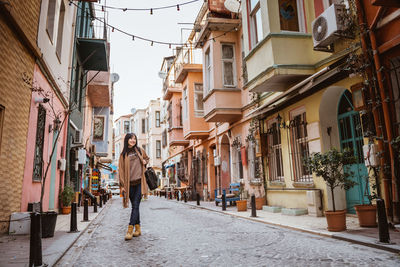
x,y
57,124
281,124
41,99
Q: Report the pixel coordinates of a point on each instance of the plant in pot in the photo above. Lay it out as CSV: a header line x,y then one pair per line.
x,y
242,203
67,195
331,166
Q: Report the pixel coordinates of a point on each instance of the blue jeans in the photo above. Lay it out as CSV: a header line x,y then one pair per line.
x,y
135,195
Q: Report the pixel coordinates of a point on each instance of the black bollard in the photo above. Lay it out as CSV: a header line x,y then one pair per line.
x,y
85,210
253,206
165,193
198,199
104,199
73,226
223,202
100,202
95,205
35,247
382,222
185,196
170,195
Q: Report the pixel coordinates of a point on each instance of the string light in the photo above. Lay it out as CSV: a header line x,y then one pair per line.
x,y
151,11
102,8
155,41
169,46
177,6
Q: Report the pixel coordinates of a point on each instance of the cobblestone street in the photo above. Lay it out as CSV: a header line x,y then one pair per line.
x,y
175,234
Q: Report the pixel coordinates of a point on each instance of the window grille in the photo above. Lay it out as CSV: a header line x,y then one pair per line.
x,y
198,100
237,165
299,148
38,160
275,165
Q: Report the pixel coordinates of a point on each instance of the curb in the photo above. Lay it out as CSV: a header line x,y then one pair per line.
x,y
80,234
334,236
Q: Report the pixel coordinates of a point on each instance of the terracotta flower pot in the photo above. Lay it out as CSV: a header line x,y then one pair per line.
x,y
260,201
241,205
336,220
66,210
366,215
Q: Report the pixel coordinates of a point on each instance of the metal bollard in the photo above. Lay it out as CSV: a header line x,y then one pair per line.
x,y
382,222
185,196
253,206
198,199
104,198
223,202
35,246
74,225
95,205
85,210
79,199
100,202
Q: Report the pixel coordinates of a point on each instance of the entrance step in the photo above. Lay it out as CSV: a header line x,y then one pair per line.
x,y
273,209
294,211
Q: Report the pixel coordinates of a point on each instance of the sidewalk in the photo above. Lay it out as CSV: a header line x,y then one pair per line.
x,y
314,225
14,249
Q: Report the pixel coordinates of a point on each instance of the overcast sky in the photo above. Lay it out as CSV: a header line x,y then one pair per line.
x,y
137,62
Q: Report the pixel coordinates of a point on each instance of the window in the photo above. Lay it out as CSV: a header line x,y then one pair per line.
x,y
204,166
2,111
127,127
255,21
207,71
198,100
147,124
180,119
117,129
164,138
170,115
158,149
275,166
158,121
237,165
51,12
291,15
143,126
60,30
185,104
299,145
228,64
38,153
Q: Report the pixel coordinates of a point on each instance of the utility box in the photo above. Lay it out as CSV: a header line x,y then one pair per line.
x,y
20,223
314,203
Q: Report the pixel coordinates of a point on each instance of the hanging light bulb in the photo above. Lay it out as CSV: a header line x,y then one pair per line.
x,y
124,9
170,46
177,8
151,43
112,29
133,37
151,11
102,8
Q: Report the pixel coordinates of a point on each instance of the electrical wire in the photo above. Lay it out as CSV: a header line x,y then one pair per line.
x,y
177,6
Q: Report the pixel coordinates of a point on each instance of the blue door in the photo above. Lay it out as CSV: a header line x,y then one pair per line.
x,y
351,138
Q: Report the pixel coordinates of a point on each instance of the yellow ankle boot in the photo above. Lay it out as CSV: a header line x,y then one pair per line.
x,y
129,233
137,230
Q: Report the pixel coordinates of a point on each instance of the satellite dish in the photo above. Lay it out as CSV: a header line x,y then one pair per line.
x,y
114,77
232,5
162,74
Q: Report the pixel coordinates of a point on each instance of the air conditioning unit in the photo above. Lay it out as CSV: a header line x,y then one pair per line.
x,y
327,27
77,137
62,164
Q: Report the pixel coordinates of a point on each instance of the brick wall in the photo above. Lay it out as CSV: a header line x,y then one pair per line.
x,y
15,96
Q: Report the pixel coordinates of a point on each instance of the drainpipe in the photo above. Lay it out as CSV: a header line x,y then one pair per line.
x,y
386,114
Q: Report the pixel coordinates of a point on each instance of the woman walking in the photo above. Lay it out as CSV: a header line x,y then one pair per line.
x,y
131,167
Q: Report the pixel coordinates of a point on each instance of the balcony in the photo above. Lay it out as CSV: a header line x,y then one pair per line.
x,y
169,91
281,60
188,60
176,137
215,24
99,89
223,105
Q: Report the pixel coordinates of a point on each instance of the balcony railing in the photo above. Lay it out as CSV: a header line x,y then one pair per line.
x,y
188,60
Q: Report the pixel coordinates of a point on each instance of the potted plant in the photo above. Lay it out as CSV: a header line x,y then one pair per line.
x,y
331,166
67,195
242,203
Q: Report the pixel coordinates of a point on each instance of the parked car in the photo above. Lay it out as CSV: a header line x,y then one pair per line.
x,y
114,188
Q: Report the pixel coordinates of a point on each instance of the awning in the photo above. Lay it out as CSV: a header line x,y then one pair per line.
x,y
93,53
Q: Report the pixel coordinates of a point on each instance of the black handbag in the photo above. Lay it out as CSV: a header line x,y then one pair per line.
x,y
151,178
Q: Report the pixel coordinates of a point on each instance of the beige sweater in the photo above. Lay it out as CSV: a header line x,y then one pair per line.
x,y
124,175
